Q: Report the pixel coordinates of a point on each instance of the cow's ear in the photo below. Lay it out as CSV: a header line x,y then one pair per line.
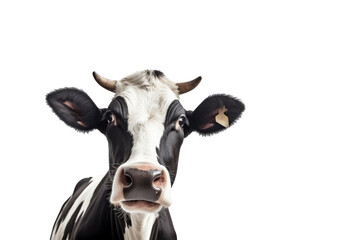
x,y
75,108
216,113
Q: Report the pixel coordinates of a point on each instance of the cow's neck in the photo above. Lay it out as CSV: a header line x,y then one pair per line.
x,y
135,226
141,226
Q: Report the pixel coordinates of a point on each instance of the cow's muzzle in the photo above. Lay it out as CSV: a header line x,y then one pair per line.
x,y
141,187
141,184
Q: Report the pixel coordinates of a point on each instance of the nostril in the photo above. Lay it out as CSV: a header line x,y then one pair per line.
x,y
125,179
158,180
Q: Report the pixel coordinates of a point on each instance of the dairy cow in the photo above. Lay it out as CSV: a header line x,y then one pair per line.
x,y
145,125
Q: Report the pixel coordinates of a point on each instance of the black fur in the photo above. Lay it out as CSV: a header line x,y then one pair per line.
x,y
171,141
205,114
158,74
119,138
84,109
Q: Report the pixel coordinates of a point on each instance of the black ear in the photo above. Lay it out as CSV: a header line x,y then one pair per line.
x,y
214,114
75,108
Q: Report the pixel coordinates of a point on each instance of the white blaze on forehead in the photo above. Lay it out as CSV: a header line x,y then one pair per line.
x,y
148,99
148,95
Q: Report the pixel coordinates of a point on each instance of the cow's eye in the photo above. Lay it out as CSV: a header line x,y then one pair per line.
x,y
110,119
182,121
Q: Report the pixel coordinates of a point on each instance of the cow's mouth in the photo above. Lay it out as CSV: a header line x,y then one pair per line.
x,y
142,205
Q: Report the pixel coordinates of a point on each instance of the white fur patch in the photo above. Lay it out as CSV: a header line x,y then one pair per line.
x,y
141,226
148,99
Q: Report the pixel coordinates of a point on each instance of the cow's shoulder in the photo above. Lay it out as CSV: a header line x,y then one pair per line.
x,y
81,185
72,212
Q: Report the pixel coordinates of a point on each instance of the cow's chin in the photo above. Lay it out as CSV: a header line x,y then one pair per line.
x,y
140,206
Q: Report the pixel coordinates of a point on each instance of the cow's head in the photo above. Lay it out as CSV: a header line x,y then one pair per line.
x,y
145,125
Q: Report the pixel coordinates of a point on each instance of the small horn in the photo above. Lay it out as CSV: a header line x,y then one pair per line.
x,y
188,86
105,83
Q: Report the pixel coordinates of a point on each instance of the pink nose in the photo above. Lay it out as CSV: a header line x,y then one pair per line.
x,y
139,184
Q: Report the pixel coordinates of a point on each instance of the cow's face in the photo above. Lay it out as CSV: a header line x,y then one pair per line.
x,y
145,125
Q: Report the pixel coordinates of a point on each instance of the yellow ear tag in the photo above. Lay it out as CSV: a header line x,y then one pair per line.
x,y
222,119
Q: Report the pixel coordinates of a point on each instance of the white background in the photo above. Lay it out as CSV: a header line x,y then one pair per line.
x,y
289,169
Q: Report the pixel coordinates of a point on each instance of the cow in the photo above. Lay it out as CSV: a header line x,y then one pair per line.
x,y
145,126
